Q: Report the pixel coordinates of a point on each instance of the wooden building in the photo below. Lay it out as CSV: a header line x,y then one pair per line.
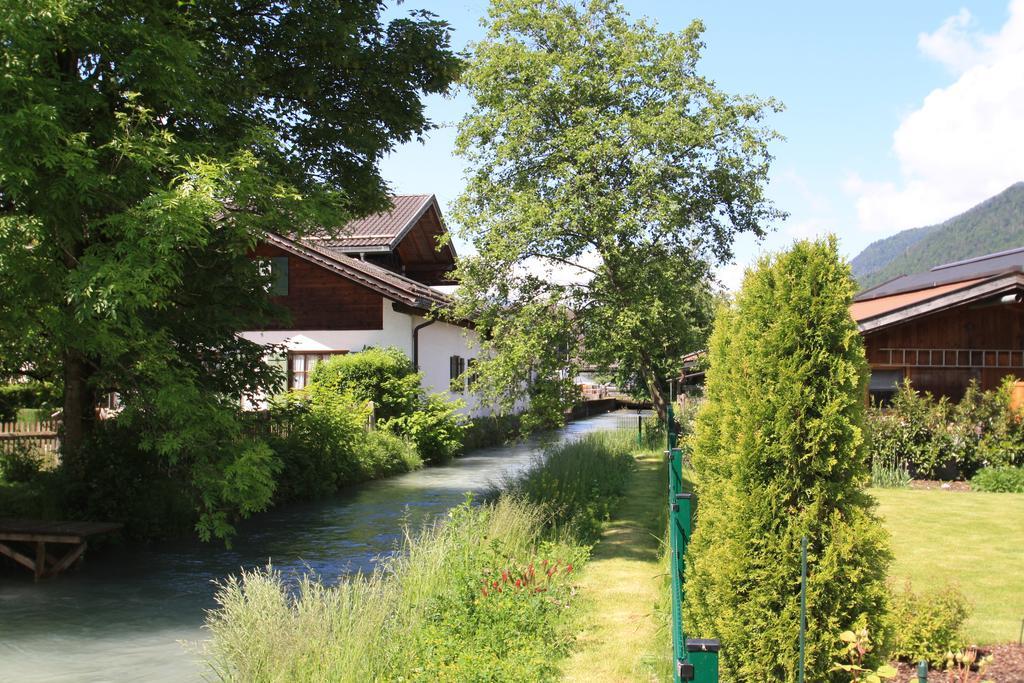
x,y
942,328
374,285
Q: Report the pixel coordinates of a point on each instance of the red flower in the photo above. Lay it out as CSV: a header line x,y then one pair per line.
x,y
519,583
494,585
568,568
504,576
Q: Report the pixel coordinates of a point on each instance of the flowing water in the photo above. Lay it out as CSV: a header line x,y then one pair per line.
x,y
125,615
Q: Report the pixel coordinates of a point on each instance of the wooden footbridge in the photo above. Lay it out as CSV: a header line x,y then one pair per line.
x,y
36,534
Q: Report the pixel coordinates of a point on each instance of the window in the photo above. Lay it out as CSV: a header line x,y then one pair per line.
x,y
275,268
301,363
456,368
883,384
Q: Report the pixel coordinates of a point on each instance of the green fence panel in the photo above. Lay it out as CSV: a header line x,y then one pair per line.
x,y
694,659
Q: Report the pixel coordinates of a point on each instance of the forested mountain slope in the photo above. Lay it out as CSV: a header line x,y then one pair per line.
x,y
994,225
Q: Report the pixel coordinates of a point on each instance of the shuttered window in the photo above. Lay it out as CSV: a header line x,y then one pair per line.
x,y
456,368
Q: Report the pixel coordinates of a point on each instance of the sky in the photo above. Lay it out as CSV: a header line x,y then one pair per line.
x,y
897,114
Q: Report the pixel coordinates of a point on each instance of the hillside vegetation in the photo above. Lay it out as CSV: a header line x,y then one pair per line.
x,y
993,225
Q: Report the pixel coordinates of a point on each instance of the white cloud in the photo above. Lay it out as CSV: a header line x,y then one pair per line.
x,y
954,44
730,276
964,143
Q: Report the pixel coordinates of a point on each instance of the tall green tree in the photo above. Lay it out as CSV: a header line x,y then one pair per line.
x,y
607,177
145,147
778,452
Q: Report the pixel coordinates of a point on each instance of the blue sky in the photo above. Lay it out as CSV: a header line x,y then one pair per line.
x,y
898,114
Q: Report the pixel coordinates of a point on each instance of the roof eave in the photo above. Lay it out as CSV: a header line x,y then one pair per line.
x,y
969,294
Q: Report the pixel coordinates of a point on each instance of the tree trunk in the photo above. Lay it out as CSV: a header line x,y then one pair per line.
x,y
657,396
79,404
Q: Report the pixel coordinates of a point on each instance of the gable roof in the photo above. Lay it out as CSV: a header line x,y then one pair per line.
x,y
388,284
384,230
999,263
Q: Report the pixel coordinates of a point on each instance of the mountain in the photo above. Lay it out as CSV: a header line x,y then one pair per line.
x,y
994,225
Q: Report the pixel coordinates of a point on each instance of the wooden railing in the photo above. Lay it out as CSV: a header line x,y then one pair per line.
x,y
41,437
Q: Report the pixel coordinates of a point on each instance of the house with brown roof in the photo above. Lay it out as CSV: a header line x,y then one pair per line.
x,y
374,285
944,327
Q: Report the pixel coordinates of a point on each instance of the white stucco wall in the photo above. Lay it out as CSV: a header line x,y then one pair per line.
x,y
437,343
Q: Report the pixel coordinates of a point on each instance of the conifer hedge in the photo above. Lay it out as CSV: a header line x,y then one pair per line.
x,y
778,453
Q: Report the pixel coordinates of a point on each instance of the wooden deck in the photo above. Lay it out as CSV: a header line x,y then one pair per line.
x,y
37,533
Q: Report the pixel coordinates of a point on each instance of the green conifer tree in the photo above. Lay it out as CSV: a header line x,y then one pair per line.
x,y
778,453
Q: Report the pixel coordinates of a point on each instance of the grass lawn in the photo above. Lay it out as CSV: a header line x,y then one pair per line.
x,y
972,539
623,584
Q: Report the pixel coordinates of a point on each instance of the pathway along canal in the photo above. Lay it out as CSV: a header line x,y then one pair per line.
x,y
125,614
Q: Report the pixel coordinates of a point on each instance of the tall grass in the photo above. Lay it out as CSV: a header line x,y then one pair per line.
x,y
578,482
889,472
484,594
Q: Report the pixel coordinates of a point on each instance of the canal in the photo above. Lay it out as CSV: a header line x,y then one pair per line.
x,y
136,614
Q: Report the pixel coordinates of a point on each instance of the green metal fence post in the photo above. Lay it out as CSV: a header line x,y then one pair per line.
x,y
702,654
922,671
803,604
694,659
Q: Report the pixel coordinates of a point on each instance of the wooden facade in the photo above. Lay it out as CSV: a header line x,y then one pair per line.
x,y
319,299
417,255
947,326
943,351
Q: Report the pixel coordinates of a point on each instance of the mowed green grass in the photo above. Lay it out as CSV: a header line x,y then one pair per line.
x,y
974,540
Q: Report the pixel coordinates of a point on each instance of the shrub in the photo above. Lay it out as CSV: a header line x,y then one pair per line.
x,y
20,464
385,376
937,438
491,430
318,433
999,480
435,427
889,474
112,479
382,453
927,625
17,395
780,462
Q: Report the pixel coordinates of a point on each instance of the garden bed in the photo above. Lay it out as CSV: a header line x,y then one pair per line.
x,y
1007,666
929,484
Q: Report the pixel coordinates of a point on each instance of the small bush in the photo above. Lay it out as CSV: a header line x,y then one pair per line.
x,y
888,474
382,453
20,464
999,480
316,441
927,625
435,427
385,376
491,430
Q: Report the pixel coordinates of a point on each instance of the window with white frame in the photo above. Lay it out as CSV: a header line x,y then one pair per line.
x,y
301,364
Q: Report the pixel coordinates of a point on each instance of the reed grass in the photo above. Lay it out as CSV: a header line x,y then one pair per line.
x,y
486,593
